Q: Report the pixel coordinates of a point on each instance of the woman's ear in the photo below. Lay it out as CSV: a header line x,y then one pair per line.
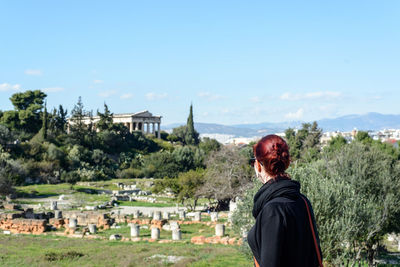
x,y
258,166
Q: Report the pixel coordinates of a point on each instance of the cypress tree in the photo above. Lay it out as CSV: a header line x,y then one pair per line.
x,y
45,122
191,136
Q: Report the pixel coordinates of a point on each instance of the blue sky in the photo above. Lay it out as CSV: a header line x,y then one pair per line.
x,y
236,61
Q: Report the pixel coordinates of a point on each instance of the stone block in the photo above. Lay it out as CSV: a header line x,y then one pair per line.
x,y
199,240
176,234
155,233
157,216
92,228
220,230
135,230
73,223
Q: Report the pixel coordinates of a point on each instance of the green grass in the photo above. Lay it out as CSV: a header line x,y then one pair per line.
x,y
26,250
45,190
144,204
32,194
188,231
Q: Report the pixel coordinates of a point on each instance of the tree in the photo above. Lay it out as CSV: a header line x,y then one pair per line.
x,y
78,128
45,123
28,106
363,136
305,143
178,134
106,119
191,136
11,173
5,135
188,158
335,144
186,134
208,145
355,193
160,165
189,183
228,175
61,119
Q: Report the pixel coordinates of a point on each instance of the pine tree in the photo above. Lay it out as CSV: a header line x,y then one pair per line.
x,y
78,128
106,119
61,120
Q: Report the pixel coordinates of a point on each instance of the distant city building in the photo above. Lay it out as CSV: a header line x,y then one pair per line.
x,y
142,121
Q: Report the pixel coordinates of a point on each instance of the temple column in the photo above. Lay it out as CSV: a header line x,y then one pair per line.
x,y
158,130
153,130
131,127
148,127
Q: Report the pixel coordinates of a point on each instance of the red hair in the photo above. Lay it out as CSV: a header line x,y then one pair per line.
x,y
273,153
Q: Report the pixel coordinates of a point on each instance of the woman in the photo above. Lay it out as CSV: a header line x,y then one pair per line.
x,y
285,232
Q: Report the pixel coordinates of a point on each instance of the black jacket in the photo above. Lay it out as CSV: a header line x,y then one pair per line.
x,y
281,235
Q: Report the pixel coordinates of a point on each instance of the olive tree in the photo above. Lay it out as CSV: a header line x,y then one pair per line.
x,y
228,175
355,194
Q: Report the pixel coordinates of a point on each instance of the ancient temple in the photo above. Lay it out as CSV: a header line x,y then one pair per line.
x,y
142,121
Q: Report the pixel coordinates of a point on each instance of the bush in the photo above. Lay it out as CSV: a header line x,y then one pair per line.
x,y
54,153
355,193
130,173
242,218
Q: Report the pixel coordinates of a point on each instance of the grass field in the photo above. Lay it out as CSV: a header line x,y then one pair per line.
x,y
26,250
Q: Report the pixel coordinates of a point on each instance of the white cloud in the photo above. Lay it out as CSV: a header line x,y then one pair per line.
x,y
98,81
154,96
107,93
312,95
8,87
209,96
52,89
295,115
255,99
33,72
126,96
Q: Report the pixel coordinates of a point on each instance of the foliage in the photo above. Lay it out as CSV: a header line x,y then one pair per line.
x,y
305,143
189,183
191,136
6,135
26,114
160,164
208,145
11,173
77,127
45,123
355,194
242,218
105,119
228,175
186,134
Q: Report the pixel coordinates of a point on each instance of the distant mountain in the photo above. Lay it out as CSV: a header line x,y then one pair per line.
x,y
371,121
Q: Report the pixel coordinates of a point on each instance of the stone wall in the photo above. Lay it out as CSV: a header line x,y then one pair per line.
x,y
24,226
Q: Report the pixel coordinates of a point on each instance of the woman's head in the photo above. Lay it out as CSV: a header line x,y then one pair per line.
x,y
272,152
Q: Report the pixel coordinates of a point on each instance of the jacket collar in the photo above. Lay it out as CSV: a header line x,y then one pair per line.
x,y
280,187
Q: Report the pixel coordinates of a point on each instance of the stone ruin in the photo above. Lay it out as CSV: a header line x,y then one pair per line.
x,y
17,221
